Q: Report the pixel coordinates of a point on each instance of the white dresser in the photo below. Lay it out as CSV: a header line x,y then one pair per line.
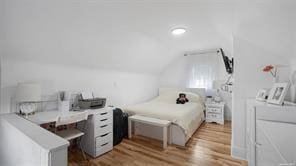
x,y
98,138
271,134
215,112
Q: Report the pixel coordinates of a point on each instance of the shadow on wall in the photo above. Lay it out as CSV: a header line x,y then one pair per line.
x,y
250,59
7,98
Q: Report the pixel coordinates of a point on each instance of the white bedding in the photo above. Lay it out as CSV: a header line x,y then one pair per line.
x,y
165,107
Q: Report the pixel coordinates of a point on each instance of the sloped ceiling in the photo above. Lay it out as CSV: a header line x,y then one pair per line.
x,y
119,35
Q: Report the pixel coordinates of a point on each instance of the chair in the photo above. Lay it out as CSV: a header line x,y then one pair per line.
x,y
71,133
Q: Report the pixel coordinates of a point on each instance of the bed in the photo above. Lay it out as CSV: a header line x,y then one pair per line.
x,y
186,118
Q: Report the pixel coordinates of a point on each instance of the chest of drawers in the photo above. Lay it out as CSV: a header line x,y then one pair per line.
x,y
215,112
270,134
98,138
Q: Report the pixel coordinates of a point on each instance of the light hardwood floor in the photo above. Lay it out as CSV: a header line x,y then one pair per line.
x,y
209,146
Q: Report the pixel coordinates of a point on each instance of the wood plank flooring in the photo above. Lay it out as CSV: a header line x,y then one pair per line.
x,y
209,146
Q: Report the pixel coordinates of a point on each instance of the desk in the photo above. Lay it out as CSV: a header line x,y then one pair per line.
x,y
51,116
98,138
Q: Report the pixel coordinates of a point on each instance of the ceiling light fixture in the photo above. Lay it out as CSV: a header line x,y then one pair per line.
x,y
178,31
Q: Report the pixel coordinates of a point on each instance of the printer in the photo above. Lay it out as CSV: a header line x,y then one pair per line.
x,y
90,102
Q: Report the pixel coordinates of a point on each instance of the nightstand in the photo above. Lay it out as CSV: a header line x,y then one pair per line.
x,y
215,112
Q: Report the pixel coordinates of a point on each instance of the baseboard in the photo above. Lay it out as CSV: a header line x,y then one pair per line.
x,y
228,118
239,153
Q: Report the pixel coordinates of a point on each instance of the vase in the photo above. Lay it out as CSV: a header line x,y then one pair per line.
x,y
275,79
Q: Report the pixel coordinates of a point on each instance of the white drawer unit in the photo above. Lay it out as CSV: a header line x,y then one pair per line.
x,y
271,134
98,138
215,112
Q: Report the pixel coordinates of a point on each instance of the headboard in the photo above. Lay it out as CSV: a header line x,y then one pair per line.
x,y
199,91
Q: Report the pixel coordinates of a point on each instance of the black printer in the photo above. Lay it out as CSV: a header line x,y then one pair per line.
x,y
92,103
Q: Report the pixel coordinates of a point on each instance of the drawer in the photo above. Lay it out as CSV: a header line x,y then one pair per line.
x,y
106,147
104,115
100,130
214,110
214,116
103,118
104,138
103,121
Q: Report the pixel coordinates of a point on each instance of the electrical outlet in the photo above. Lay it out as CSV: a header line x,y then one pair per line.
x,y
114,84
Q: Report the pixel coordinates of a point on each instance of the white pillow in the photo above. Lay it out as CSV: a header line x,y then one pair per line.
x,y
192,97
171,97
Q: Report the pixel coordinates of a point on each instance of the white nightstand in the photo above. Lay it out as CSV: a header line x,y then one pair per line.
x,y
215,112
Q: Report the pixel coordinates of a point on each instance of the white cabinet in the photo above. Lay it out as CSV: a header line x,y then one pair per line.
x,y
215,112
98,138
25,143
271,134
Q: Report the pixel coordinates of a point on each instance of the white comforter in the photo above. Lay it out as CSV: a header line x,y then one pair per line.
x,y
185,115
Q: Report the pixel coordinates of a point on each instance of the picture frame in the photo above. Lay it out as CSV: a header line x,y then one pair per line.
x,y
261,95
278,93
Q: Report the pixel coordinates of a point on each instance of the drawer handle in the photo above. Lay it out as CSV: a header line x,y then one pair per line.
x,y
103,126
257,144
104,135
104,113
103,120
104,144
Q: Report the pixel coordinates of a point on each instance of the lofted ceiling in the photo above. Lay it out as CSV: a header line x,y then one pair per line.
x,y
116,34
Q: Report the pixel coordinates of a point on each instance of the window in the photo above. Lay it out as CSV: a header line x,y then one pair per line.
x,y
203,70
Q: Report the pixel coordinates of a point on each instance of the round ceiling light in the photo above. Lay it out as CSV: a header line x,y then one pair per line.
x,y
178,31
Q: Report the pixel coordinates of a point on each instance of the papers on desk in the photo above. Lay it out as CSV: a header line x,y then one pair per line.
x,y
87,95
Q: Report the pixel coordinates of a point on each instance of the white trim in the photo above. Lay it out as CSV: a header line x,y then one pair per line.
x,y
239,152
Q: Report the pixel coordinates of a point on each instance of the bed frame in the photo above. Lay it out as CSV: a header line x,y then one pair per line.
x,y
177,136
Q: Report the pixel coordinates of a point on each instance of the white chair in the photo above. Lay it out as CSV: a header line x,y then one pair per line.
x,y
71,133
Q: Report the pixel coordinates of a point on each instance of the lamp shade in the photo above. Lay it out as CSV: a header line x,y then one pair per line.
x,y
28,92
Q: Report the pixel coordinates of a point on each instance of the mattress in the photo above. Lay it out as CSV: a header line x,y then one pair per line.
x,y
164,107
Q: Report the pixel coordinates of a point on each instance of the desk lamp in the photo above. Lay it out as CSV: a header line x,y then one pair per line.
x,y
27,96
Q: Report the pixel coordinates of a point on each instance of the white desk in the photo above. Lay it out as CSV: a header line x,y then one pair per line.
x,y
98,138
51,116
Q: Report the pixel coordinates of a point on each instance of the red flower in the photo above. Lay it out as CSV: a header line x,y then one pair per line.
x,y
268,68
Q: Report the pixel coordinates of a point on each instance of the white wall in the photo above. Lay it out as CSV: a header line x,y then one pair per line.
x,y
293,66
293,61
176,73
262,36
0,80
120,88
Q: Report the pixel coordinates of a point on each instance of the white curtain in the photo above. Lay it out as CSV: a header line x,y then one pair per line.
x,y
203,70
